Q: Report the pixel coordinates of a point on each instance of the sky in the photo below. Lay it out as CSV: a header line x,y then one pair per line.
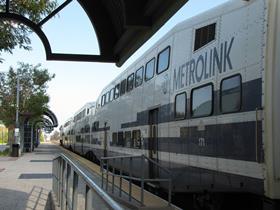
x,y
77,83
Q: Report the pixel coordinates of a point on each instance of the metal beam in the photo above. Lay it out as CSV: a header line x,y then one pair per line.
x,y
53,13
7,6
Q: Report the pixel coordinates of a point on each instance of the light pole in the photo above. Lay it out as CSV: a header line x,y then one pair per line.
x,y
17,133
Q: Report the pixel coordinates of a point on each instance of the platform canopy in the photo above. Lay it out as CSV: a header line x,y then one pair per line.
x,y
121,26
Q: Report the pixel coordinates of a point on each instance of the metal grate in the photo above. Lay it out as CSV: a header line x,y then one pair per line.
x,y
35,176
40,161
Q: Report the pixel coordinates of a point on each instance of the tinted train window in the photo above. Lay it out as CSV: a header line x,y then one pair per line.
x,y
202,101
120,139
139,77
117,91
180,106
163,60
123,86
114,138
231,94
204,35
130,81
150,69
136,139
103,100
112,94
127,136
107,97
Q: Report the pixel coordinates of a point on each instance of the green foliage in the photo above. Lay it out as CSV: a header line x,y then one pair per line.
x,y
15,34
41,137
5,152
33,98
3,135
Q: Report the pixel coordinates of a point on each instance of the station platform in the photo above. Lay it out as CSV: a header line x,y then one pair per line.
x,y
26,181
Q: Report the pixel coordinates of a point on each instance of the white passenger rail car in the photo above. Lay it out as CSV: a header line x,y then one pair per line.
x,y
204,102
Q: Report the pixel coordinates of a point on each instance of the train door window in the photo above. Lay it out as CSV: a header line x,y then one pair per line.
x,y
139,77
136,139
204,35
117,91
120,139
127,137
231,94
112,94
163,60
130,81
202,101
180,106
114,139
103,100
123,87
150,70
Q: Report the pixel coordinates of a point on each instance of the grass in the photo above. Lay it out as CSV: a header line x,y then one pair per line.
x,y
5,152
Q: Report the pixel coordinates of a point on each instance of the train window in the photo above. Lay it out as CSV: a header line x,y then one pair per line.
x,y
180,106
95,126
204,35
231,94
163,60
150,69
123,84
103,100
117,91
139,77
114,139
107,97
130,80
120,139
127,139
202,101
136,139
87,128
112,94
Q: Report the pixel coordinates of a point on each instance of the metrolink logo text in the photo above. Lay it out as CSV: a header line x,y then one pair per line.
x,y
205,66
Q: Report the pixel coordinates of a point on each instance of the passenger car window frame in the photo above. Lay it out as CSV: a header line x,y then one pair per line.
x,y
212,100
132,82
117,95
241,90
123,82
141,68
158,60
175,103
154,60
195,48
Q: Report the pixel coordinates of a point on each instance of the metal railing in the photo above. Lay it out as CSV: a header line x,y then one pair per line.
x,y
107,169
74,189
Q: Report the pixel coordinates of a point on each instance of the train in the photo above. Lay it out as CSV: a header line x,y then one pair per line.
x,y
202,102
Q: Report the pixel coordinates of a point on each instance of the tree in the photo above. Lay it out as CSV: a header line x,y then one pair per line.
x,y
55,136
17,35
33,97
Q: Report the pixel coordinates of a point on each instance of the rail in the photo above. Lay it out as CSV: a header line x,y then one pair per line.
x,y
69,181
105,169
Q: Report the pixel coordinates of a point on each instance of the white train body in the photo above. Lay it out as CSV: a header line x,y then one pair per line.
x,y
210,112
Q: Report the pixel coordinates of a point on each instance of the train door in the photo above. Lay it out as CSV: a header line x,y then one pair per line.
x,y
153,142
105,140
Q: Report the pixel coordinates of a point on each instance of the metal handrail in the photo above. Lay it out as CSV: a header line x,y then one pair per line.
x,y
100,192
130,177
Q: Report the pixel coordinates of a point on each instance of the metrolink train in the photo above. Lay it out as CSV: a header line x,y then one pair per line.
x,y
202,102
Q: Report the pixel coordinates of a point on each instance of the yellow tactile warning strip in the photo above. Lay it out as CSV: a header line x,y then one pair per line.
x,y
150,200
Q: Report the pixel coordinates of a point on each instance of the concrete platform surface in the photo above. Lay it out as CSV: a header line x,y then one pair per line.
x,y
26,182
